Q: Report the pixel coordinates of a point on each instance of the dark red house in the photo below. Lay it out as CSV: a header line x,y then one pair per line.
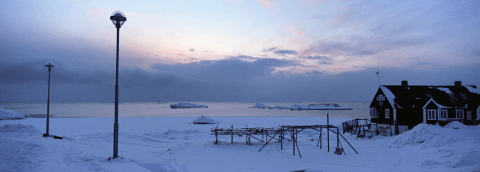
x,y
412,104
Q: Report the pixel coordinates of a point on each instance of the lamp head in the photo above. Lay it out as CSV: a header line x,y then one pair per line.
x,y
118,18
49,66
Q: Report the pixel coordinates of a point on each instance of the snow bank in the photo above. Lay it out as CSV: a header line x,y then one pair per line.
x,y
18,128
454,125
10,114
326,106
471,158
435,135
187,105
203,120
421,134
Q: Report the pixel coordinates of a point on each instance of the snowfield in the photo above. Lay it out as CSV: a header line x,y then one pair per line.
x,y
175,144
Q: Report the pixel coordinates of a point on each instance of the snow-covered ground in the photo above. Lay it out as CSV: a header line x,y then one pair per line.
x,y
175,144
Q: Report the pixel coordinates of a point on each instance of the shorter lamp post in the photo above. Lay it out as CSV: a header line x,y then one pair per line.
x,y
48,66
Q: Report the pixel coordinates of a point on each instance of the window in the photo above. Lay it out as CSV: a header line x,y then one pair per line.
x,y
387,113
381,98
459,113
443,114
373,112
431,115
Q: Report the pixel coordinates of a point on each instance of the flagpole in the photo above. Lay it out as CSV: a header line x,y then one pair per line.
x,y
378,73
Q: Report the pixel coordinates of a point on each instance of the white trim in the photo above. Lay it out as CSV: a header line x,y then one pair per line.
x,y
431,114
440,114
438,105
461,115
478,112
373,112
394,114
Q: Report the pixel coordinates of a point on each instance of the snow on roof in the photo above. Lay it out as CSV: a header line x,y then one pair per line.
x,y
447,90
438,105
472,90
390,96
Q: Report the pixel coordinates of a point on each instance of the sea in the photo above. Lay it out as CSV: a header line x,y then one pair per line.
x,y
158,109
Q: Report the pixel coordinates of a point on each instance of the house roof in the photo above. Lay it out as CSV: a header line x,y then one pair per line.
x,y
443,96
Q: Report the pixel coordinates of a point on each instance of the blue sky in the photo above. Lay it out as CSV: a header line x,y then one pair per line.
x,y
235,50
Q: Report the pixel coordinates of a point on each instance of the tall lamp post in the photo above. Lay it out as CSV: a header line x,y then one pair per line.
x,y
118,18
48,66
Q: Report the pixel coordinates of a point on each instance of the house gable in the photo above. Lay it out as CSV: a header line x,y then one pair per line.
x,y
431,104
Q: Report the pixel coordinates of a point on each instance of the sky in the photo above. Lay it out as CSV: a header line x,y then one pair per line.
x,y
234,50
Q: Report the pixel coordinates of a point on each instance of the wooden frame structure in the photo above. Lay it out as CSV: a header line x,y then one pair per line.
x,y
293,130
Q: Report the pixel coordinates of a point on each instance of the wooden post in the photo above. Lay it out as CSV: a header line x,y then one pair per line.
x,y
338,141
328,134
216,135
321,138
293,140
390,129
281,137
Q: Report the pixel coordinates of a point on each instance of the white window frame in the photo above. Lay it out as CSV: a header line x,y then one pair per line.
x,y
478,112
443,114
431,114
387,113
373,112
459,113
381,98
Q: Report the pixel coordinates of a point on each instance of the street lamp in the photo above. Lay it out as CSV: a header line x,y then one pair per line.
x,y
48,66
118,18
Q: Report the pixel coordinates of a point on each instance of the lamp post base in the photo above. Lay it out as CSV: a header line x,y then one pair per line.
x,y
54,136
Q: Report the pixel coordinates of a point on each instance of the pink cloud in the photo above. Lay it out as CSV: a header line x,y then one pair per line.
x,y
266,4
177,52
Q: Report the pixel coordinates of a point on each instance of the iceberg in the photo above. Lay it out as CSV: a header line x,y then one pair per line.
x,y
324,106
187,105
203,120
10,114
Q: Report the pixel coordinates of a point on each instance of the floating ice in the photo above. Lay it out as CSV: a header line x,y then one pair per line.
x,y
187,105
203,120
10,114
